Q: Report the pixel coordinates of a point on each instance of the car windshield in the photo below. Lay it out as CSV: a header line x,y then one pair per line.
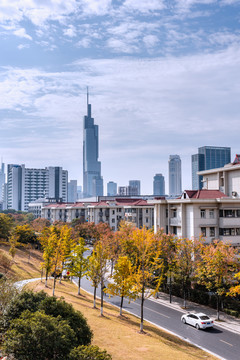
x,y
204,317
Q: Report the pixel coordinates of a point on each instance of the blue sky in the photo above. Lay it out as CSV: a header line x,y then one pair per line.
x,y
164,78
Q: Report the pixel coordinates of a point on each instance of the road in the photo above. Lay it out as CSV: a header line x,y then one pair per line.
x,y
223,343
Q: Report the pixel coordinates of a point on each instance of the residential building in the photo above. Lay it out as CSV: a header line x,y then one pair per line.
x,y
158,185
175,175
25,185
134,187
207,213
225,179
72,191
111,188
136,211
123,190
208,157
92,179
2,181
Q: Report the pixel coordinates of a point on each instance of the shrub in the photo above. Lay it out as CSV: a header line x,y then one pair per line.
x,y
89,353
38,336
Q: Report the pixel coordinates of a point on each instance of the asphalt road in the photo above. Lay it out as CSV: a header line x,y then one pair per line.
x,y
222,343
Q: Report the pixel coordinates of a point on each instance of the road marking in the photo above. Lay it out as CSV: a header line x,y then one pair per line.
x,y
157,312
226,342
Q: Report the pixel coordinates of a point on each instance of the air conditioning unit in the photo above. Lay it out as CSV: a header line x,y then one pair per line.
x,y
234,193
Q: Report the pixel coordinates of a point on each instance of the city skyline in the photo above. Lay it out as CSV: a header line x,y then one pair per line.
x,y
163,77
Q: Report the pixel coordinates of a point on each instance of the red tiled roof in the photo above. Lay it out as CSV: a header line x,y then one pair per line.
x,y
205,194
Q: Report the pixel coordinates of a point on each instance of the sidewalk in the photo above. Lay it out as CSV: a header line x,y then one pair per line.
x,y
226,321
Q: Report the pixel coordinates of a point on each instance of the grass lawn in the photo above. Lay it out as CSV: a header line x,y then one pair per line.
x,y
25,264
120,335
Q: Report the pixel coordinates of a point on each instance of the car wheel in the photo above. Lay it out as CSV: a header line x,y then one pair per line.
x,y
184,320
197,326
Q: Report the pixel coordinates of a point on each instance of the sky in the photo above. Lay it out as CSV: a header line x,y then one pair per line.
x,y
163,77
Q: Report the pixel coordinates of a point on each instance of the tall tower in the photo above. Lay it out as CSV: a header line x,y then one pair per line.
x,y
208,157
175,175
158,185
92,179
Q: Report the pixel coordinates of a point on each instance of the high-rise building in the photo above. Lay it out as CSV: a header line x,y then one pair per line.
x,y
111,188
92,179
2,181
208,157
134,187
175,175
158,185
72,191
26,185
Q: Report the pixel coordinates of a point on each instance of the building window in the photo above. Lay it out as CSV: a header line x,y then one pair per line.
x,y
174,213
211,214
146,211
146,219
203,214
113,221
174,230
238,213
229,213
220,213
113,212
203,231
212,231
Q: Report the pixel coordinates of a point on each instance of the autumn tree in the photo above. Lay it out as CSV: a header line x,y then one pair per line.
x,y
216,264
94,273
76,263
123,280
6,224
146,260
184,265
25,234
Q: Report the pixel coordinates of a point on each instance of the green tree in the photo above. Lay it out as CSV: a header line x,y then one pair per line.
x,y
8,292
101,256
91,352
39,336
216,264
123,280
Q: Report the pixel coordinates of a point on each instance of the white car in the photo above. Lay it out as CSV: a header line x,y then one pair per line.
x,y
199,320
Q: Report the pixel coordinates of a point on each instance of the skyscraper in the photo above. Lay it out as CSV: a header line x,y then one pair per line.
x,y
111,188
134,187
175,175
72,191
26,185
92,179
158,185
2,181
208,157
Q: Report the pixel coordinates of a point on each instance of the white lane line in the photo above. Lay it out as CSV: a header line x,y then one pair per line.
x,y
226,342
157,312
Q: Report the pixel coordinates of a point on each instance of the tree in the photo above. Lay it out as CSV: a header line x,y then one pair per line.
x,y
184,264
215,266
91,352
50,305
77,264
48,252
39,336
8,292
94,274
101,255
146,257
13,240
25,234
123,280
39,224
6,224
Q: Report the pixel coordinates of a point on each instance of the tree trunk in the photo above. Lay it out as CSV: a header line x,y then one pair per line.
x,y
79,284
94,297
54,284
41,274
112,265
184,297
46,279
142,302
121,306
170,289
102,287
218,317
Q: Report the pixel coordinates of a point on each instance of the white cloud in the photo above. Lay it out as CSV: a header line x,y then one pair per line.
x,y
70,31
144,6
23,46
150,40
22,34
85,42
97,7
